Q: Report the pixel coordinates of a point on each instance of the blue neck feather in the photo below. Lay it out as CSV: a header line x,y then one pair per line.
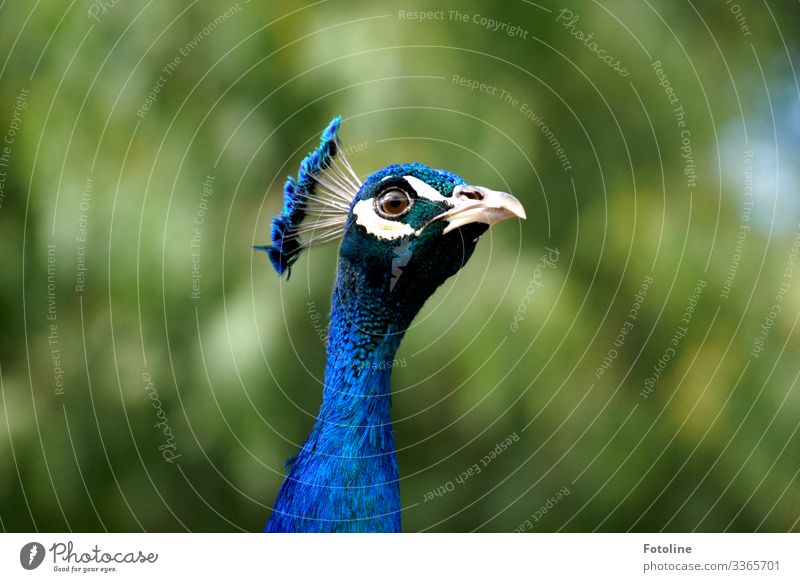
x,y
345,477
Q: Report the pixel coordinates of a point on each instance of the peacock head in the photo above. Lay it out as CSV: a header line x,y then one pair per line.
x,y
404,230
412,227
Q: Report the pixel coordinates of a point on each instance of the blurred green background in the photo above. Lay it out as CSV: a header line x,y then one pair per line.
x,y
144,150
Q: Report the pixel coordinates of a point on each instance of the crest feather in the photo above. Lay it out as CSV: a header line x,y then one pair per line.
x,y
322,188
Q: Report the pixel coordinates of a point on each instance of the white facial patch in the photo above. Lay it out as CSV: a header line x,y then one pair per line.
x,y
378,226
424,190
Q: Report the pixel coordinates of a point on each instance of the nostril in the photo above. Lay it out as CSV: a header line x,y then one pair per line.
x,y
472,194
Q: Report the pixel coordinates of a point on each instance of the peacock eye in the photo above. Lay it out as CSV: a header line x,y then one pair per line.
x,y
393,203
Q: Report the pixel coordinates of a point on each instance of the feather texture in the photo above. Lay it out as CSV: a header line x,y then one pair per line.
x,y
345,477
323,189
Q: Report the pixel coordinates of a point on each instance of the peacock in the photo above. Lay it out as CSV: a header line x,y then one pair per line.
x,y
403,231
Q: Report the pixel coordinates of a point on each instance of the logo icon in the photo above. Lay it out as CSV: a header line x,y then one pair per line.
x,y
402,255
31,555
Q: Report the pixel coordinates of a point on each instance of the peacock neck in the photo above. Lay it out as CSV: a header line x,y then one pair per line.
x,y
345,477
365,331
356,396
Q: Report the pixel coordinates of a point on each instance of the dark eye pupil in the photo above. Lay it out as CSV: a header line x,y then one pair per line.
x,y
394,202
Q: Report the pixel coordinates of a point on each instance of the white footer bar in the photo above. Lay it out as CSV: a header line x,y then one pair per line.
x,y
460,557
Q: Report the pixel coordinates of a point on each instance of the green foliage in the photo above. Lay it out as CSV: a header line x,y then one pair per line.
x,y
128,403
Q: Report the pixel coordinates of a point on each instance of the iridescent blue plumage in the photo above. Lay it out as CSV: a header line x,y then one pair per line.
x,y
286,246
345,477
403,232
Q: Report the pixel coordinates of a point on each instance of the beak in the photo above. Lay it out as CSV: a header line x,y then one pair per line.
x,y
477,204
